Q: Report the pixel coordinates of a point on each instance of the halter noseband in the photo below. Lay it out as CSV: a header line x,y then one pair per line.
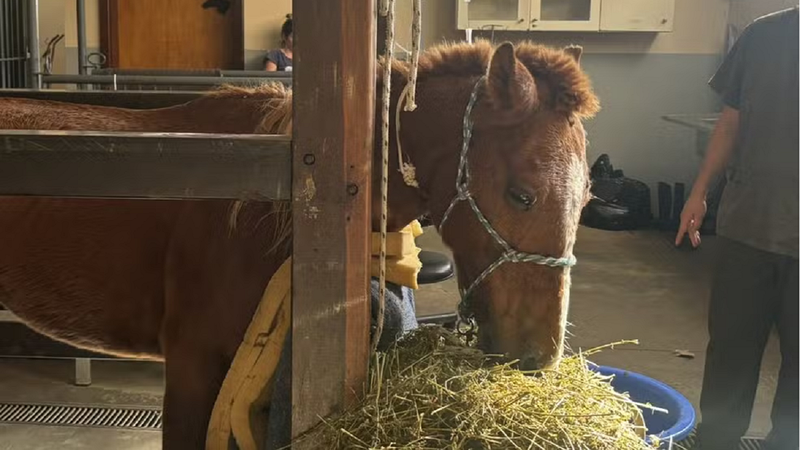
x,y
465,313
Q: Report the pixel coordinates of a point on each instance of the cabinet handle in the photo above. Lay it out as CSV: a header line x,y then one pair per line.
x,y
533,22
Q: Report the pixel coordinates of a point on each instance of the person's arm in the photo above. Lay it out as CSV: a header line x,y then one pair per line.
x,y
718,154
719,151
271,61
727,82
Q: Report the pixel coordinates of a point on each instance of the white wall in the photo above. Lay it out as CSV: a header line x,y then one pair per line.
x,y
71,23
51,23
262,23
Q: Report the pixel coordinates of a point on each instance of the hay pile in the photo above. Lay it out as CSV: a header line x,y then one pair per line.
x,y
433,392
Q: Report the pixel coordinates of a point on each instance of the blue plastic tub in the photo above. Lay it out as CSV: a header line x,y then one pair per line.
x,y
674,426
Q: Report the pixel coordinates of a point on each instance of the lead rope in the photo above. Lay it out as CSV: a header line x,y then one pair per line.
x,y
409,95
387,10
416,38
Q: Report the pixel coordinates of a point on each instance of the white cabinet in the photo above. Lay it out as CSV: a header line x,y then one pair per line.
x,y
637,15
566,15
494,14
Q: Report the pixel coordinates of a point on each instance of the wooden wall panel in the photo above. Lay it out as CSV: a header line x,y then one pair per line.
x,y
334,101
174,34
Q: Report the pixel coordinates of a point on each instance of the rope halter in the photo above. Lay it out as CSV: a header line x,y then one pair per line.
x,y
510,254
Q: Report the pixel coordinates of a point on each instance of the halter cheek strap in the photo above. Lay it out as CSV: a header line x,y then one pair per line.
x,y
462,194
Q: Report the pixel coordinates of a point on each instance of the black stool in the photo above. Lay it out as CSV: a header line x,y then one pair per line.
x,y
436,268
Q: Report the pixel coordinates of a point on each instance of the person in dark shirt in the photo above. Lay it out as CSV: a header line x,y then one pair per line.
x,y
755,283
281,59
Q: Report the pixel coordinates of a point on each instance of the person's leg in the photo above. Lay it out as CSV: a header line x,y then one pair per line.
x,y
784,435
740,319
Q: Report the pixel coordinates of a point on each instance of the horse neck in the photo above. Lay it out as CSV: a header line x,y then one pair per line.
x,y
235,114
431,139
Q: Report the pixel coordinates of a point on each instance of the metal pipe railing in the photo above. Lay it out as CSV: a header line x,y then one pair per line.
x,y
81,10
192,73
34,63
115,80
13,52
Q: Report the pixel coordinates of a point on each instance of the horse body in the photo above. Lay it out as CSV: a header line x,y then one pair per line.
x,y
232,110
81,279
180,280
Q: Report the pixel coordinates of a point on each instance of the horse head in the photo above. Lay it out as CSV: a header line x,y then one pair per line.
x,y
500,156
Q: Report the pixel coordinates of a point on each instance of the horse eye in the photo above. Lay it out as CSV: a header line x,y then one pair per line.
x,y
521,199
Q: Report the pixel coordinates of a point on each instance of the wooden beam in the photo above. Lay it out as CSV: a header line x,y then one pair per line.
x,y
334,101
144,165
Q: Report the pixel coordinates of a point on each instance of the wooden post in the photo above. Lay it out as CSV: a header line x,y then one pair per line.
x,y
334,101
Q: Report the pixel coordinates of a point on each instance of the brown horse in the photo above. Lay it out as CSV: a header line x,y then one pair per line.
x,y
180,280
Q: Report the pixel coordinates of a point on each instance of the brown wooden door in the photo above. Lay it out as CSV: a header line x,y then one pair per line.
x,y
171,34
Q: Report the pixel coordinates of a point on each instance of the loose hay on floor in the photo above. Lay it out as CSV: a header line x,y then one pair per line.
x,y
433,392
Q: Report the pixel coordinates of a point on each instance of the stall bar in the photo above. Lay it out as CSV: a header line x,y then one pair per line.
x,y
161,80
145,165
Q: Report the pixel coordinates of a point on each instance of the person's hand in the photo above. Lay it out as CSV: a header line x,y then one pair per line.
x,y
694,210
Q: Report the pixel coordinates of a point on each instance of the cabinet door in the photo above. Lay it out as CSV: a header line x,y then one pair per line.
x,y
565,15
637,15
493,14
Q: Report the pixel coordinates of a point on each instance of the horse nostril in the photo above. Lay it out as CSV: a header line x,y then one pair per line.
x,y
529,363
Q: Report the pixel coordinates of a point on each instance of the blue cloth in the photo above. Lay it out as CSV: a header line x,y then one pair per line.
x,y
400,318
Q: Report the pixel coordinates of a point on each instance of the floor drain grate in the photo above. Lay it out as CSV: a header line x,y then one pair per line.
x,y
80,416
748,443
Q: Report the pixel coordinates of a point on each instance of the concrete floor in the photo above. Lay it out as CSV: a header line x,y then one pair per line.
x,y
117,383
627,285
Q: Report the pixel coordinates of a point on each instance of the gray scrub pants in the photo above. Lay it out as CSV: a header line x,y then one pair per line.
x,y
752,291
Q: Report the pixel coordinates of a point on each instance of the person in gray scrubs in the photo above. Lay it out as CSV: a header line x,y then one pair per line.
x,y
755,283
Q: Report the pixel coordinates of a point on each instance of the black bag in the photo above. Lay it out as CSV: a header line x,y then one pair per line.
x,y
619,203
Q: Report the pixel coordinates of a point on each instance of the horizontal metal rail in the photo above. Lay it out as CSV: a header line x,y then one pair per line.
x,y
145,165
8,316
160,80
700,122
119,99
192,72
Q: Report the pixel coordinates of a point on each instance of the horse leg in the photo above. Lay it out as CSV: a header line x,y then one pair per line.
x,y
193,379
215,280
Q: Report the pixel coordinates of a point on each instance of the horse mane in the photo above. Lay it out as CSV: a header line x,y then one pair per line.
x,y
276,104
570,87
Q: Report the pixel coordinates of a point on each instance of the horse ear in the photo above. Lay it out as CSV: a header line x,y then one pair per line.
x,y
510,85
575,51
